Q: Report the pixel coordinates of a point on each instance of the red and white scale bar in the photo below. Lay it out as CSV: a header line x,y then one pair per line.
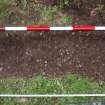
x,y
46,28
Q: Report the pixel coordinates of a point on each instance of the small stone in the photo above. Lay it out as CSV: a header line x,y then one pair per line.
x,y
73,33
41,33
38,60
22,100
45,62
1,69
80,65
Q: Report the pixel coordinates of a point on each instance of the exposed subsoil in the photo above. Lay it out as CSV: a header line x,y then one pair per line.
x,y
55,53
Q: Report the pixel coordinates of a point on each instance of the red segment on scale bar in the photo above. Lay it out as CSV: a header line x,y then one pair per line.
x,y
2,29
84,28
38,28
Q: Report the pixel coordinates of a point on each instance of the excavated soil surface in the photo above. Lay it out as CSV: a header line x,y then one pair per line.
x,y
52,53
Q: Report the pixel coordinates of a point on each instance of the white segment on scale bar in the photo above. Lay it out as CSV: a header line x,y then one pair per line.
x,y
99,28
61,28
15,28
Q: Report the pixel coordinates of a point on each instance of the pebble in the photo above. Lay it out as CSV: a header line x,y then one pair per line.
x,y
80,65
22,100
38,60
1,69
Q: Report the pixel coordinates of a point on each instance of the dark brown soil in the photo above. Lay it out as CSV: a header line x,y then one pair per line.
x,y
55,53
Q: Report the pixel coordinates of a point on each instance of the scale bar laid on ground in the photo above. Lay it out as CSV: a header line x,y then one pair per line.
x,y
47,28
52,95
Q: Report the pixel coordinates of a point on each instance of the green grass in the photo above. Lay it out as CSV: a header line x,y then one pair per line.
x,y
42,15
5,7
49,101
44,85
53,16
